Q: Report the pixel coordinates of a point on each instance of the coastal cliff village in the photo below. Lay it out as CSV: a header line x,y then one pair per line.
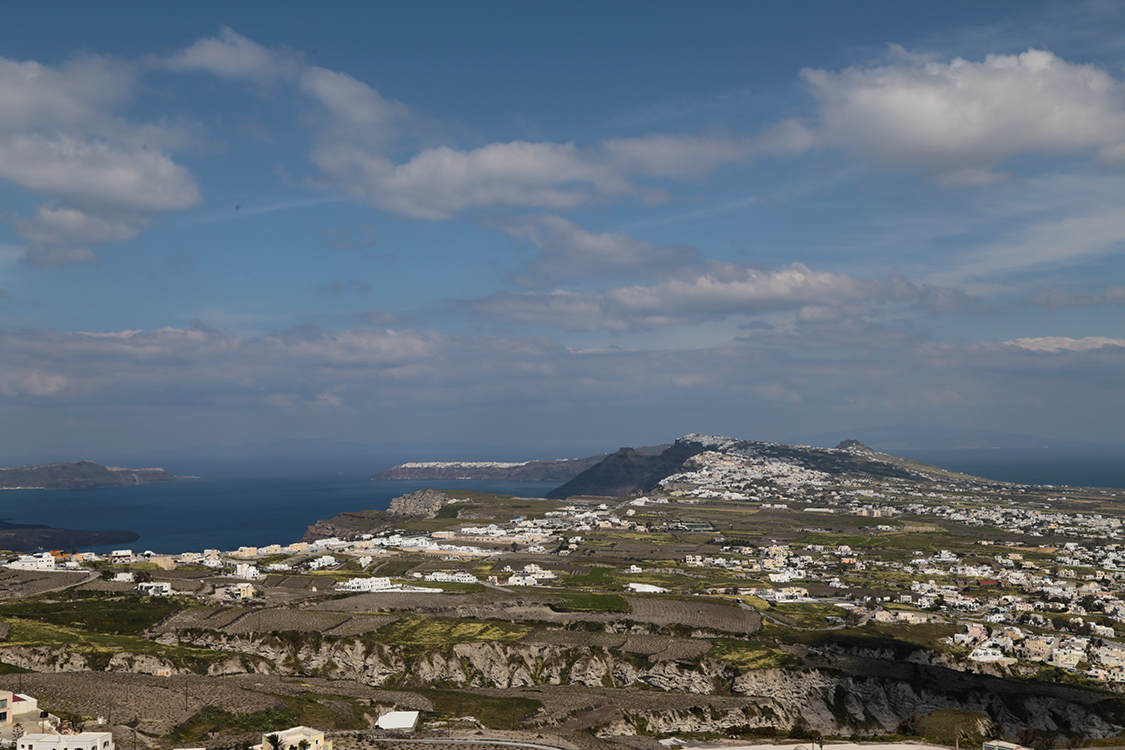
x,y
745,564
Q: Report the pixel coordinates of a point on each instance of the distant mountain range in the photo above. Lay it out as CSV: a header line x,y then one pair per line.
x,y
78,475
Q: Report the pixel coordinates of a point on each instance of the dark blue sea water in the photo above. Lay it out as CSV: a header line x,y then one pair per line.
x,y
196,514
1076,467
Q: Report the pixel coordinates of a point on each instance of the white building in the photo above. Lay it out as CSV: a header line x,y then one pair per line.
x,y
247,570
398,721
290,739
366,584
647,588
155,588
39,561
322,562
82,741
445,576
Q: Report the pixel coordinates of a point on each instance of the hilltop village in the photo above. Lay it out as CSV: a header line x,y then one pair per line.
x,y
745,570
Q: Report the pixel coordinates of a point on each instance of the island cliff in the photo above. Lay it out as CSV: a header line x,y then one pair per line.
x,y
78,475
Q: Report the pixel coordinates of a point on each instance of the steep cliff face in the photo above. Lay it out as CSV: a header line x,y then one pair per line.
x,y
829,700
421,503
832,700
62,659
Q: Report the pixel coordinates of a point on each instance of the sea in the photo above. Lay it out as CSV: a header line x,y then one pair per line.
x,y
227,511
1074,467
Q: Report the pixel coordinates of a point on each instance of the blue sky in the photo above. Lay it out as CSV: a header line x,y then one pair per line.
x,y
557,225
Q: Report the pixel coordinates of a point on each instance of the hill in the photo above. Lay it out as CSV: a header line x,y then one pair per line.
x,y
712,463
78,475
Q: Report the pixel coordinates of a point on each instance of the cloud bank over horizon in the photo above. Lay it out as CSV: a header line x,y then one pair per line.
x,y
330,242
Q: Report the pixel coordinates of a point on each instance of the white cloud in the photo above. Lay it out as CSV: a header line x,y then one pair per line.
x,y
1057,344
92,173
715,291
566,249
679,155
960,119
79,93
1098,230
56,235
391,377
439,183
60,137
231,55
353,112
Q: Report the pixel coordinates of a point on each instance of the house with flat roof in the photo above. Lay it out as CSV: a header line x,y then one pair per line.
x,y
80,741
17,707
398,721
291,739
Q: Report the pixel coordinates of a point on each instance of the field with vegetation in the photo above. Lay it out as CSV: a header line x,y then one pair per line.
x,y
436,632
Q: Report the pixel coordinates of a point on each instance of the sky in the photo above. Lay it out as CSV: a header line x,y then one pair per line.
x,y
557,225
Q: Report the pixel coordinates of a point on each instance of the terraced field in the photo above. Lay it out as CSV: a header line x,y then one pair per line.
x,y
243,620
656,647
203,618
694,614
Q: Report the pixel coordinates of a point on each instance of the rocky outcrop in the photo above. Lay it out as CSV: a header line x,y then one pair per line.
x,y
425,503
45,659
346,525
58,659
856,693
830,700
